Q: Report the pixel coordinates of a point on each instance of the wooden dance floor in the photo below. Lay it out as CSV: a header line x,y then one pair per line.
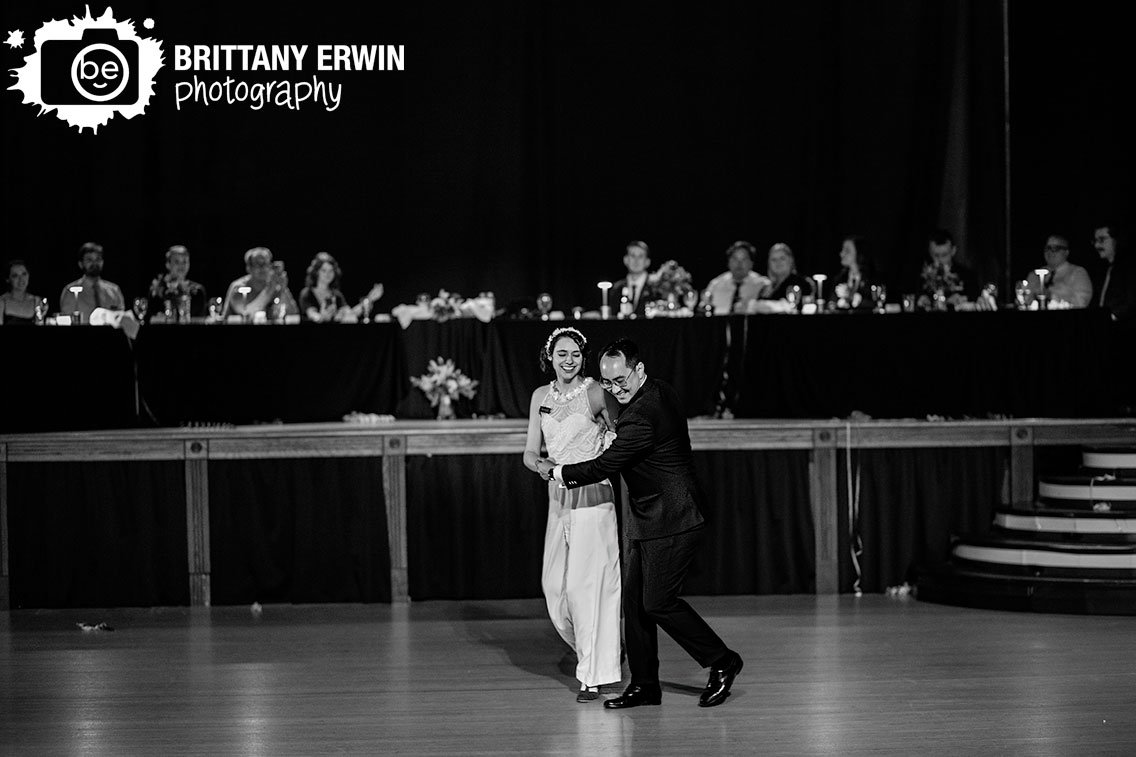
x,y
823,675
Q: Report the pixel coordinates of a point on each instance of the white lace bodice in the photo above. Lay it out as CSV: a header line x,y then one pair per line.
x,y
570,433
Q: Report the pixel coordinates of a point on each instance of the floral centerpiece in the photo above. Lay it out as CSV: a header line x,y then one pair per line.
x,y
669,286
940,286
442,383
446,305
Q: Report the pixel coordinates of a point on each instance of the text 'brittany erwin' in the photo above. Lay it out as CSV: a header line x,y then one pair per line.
x,y
288,57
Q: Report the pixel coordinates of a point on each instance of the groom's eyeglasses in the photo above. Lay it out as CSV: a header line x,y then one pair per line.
x,y
621,381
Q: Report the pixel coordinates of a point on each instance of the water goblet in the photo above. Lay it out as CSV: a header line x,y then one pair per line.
x,y
544,305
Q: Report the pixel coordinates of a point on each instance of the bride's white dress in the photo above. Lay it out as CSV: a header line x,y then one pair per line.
x,y
581,577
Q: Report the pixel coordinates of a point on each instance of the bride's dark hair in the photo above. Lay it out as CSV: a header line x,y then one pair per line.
x,y
566,332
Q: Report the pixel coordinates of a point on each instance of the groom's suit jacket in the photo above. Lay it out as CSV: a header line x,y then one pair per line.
x,y
652,452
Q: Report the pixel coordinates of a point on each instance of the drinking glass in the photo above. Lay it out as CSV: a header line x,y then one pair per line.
x,y
544,305
41,311
793,297
365,306
879,294
141,304
690,299
1022,294
216,307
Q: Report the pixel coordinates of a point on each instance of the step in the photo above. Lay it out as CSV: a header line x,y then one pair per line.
x,y
1060,557
1064,491
1066,524
949,584
1110,459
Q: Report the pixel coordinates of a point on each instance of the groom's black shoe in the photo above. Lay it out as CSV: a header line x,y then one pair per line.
x,y
722,678
636,695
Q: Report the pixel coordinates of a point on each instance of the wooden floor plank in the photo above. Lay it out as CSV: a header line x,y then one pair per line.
x,y
823,675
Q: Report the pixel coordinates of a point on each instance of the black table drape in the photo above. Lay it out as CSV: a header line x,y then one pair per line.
x,y
911,365
1072,363
251,374
65,379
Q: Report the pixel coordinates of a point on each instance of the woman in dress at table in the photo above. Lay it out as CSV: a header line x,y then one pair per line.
x,y
321,301
852,287
580,576
16,305
781,268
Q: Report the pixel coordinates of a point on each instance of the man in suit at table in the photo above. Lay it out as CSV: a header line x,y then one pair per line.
x,y
652,452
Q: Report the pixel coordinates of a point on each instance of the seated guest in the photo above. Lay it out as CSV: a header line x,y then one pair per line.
x,y
852,287
1066,283
1117,290
95,291
320,300
944,274
735,290
174,283
634,286
781,269
265,281
16,305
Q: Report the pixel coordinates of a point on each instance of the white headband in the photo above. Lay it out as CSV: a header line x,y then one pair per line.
x,y
557,334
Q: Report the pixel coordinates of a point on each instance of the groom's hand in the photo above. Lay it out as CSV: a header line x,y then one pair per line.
x,y
543,466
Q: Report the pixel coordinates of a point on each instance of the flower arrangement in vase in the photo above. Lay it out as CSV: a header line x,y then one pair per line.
x,y
442,383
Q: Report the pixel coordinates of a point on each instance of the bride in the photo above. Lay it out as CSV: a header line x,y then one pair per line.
x,y
580,577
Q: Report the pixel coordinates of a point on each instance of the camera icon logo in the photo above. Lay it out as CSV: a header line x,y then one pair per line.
x,y
88,70
99,68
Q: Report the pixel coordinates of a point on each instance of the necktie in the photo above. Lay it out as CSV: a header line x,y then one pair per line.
x,y
634,295
1104,286
737,296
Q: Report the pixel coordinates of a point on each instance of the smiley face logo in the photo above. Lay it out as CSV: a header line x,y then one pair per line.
x,y
100,72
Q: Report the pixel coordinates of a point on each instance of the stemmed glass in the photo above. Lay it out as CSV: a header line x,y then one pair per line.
x,y
690,299
793,297
141,305
879,294
216,306
41,311
1022,294
365,307
544,305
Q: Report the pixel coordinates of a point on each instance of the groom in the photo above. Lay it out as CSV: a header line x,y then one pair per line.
x,y
652,451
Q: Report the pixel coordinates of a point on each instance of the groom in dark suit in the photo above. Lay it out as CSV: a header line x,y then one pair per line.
x,y
652,452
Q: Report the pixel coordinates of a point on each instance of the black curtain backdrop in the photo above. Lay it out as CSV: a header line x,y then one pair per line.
x,y
525,143
312,530
475,526
109,534
911,502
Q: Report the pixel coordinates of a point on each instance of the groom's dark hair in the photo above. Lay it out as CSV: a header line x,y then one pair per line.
x,y
625,348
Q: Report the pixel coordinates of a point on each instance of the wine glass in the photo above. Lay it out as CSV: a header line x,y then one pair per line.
x,y
216,307
880,296
793,297
1022,294
41,311
365,307
544,305
690,299
141,305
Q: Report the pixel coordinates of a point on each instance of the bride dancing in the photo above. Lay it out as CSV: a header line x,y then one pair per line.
x,y
580,576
